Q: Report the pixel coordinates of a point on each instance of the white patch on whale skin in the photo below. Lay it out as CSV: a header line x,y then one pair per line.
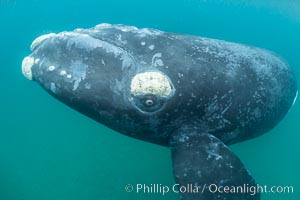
x,y
102,62
117,26
180,75
36,61
183,138
156,61
27,63
126,28
62,73
119,38
87,86
126,63
143,43
103,25
159,63
53,87
79,71
84,41
150,83
39,39
51,68
142,32
151,47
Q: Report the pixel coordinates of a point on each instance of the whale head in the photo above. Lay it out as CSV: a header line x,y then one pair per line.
x,y
101,80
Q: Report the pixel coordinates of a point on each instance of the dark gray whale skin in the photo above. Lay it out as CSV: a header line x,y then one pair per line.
x,y
195,95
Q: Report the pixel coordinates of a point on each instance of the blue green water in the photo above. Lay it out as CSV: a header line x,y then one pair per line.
x,y
50,152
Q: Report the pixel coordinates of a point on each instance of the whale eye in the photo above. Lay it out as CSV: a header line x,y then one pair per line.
x,y
149,102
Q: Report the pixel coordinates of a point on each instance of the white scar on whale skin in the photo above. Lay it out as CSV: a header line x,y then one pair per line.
x,y
85,41
150,83
79,73
156,60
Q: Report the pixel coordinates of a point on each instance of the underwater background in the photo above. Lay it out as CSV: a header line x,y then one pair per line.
x,y
51,152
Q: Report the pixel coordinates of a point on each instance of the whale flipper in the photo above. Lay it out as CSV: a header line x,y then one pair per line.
x,y
203,161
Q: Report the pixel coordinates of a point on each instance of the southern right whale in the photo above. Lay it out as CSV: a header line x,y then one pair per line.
x,y
194,95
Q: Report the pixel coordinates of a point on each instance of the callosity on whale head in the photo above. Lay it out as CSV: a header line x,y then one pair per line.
x,y
193,94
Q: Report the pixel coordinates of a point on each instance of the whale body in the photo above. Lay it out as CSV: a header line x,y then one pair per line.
x,y
192,94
